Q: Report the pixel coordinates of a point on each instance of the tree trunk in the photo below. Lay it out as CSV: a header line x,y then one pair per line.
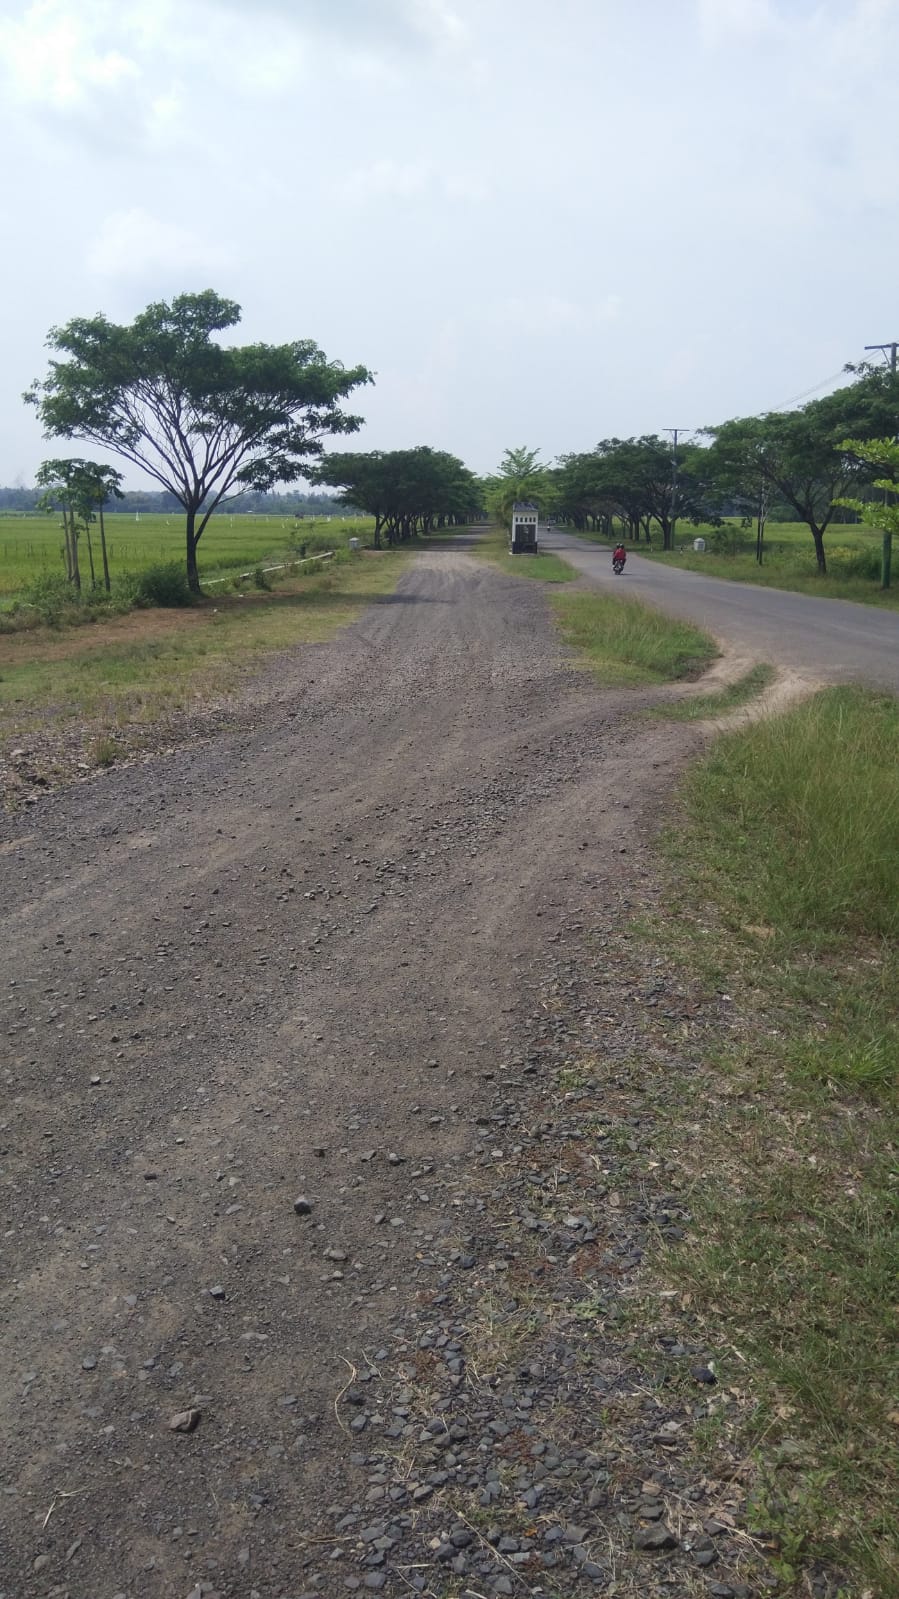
x,y
90,555
73,544
193,576
106,583
820,557
378,521
68,545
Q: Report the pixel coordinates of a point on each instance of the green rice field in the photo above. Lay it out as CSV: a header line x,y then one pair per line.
x,y
32,545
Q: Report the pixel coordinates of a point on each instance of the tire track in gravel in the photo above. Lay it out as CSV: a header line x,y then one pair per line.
x,y
284,961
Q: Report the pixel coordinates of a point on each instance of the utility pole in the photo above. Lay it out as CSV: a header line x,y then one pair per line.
x,y
675,432
886,558
893,347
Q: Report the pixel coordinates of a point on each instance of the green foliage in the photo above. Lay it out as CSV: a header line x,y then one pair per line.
x,y
520,476
635,480
205,420
164,584
260,581
406,491
49,595
802,455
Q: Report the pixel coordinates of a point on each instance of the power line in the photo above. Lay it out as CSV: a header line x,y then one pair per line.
x,y
807,393
892,347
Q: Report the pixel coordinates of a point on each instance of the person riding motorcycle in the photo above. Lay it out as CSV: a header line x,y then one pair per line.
x,y
619,556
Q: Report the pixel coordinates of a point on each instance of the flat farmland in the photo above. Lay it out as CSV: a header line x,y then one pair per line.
x,y
32,545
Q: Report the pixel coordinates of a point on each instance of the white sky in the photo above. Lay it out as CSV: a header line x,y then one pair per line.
x,y
540,222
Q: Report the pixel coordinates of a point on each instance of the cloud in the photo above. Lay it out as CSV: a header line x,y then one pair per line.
x,y
387,24
55,54
386,179
721,21
133,244
552,315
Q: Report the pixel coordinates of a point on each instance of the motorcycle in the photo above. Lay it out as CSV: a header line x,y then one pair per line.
x,y
618,565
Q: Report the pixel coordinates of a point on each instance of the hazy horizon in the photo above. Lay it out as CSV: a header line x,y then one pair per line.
x,y
539,224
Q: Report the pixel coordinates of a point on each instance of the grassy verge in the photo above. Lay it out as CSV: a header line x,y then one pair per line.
x,y
624,641
549,568
135,669
699,706
788,868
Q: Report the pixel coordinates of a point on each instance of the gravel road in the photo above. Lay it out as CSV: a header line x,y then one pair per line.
x,y
279,1008
828,641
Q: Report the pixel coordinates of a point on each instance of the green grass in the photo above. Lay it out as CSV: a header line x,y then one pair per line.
x,y
30,545
697,707
548,568
802,812
134,669
624,641
787,892
853,559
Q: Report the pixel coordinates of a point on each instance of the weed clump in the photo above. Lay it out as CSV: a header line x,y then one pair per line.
x,y
164,584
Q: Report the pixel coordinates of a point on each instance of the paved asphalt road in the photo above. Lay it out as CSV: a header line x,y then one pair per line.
x,y
831,640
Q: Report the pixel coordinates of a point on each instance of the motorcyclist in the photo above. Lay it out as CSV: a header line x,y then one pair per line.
x,y
619,554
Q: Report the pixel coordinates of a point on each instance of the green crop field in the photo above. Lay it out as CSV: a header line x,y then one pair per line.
x,y
32,545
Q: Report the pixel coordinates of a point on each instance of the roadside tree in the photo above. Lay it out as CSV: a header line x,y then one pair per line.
x,y
883,456
406,491
520,476
205,420
800,454
79,489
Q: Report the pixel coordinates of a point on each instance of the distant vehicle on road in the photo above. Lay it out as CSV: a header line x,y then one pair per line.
x,y
523,535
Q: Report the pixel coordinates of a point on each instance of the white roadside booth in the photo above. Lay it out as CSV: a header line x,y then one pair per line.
x,y
523,537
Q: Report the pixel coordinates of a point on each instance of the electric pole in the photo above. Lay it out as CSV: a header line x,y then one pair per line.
x,y
675,432
886,559
884,347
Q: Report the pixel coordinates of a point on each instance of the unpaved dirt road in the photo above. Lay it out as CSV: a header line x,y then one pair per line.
x,y
288,961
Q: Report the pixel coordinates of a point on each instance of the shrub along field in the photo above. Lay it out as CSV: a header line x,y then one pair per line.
x,y
32,546
853,559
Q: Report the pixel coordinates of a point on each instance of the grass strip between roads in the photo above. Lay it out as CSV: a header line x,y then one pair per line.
x,y
625,641
730,698
136,669
549,568
787,863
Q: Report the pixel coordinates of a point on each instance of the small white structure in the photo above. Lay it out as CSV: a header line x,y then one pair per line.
x,y
523,537
699,545
353,544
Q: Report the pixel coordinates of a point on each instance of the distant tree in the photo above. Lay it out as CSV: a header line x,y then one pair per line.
x,y
205,420
634,480
406,491
800,454
520,476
